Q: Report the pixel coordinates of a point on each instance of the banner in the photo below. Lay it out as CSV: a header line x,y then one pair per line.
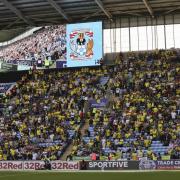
x,y
62,165
6,87
33,165
91,165
8,67
11,165
168,165
147,164
112,165
37,165
94,104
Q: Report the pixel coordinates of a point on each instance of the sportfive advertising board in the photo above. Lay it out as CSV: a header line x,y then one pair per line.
x,y
112,165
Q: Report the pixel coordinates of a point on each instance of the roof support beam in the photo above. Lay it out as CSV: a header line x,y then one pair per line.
x,y
100,4
146,3
17,12
171,10
94,14
11,24
129,13
59,10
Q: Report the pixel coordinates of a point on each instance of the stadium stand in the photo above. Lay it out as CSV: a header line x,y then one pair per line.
x,y
47,43
90,89
45,114
139,120
144,119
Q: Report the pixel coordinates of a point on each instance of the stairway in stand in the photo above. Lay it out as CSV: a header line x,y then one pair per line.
x,y
70,147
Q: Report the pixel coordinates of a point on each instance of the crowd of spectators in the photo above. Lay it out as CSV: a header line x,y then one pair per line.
x,y
45,113
47,43
49,109
144,107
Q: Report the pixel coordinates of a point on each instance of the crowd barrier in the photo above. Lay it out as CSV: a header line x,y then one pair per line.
x,y
92,165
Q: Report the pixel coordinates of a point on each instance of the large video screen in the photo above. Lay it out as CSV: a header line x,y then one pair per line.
x,y
73,45
84,44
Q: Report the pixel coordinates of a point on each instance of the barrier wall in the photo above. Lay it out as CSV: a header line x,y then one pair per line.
x,y
91,165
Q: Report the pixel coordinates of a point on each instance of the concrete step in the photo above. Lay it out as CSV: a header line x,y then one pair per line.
x,y
67,152
70,147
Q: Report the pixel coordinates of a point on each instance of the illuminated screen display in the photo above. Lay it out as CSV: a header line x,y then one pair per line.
x,y
84,44
59,46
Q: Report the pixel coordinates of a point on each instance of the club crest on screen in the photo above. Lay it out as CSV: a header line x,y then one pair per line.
x,y
81,44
